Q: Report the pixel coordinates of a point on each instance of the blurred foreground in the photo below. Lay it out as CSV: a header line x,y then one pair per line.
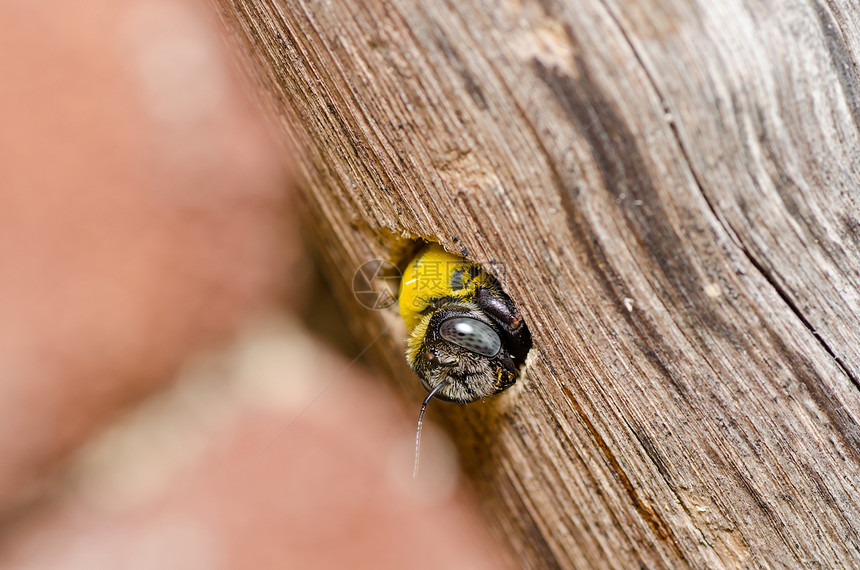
x,y
146,236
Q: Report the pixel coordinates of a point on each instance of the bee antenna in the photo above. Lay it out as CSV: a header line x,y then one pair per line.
x,y
421,420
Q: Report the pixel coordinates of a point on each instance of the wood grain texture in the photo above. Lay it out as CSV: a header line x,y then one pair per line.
x,y
669,191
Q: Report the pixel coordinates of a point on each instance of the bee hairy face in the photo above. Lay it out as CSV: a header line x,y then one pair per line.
x,y
462,348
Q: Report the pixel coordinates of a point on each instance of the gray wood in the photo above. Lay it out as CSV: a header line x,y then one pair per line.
x,y
669,191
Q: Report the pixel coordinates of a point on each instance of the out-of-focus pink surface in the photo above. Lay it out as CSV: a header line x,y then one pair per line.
x,y
256,479
137,221
144,217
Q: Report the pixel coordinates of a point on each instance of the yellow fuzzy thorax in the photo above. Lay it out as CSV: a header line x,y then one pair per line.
x,y
433,274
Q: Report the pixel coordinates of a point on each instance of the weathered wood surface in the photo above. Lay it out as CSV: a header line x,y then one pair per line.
x,y
672,190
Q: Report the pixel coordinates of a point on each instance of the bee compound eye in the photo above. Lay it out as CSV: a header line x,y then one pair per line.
x,y
471,334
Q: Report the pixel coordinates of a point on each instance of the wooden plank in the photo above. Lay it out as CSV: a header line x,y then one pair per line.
x,y
669,191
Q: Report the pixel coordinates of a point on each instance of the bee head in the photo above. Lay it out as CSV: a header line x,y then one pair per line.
x,y
462,349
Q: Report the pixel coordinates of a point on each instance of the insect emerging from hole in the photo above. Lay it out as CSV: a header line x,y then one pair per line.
x,y
467,340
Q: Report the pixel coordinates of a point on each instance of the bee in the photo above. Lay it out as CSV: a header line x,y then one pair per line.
x,y
467,341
